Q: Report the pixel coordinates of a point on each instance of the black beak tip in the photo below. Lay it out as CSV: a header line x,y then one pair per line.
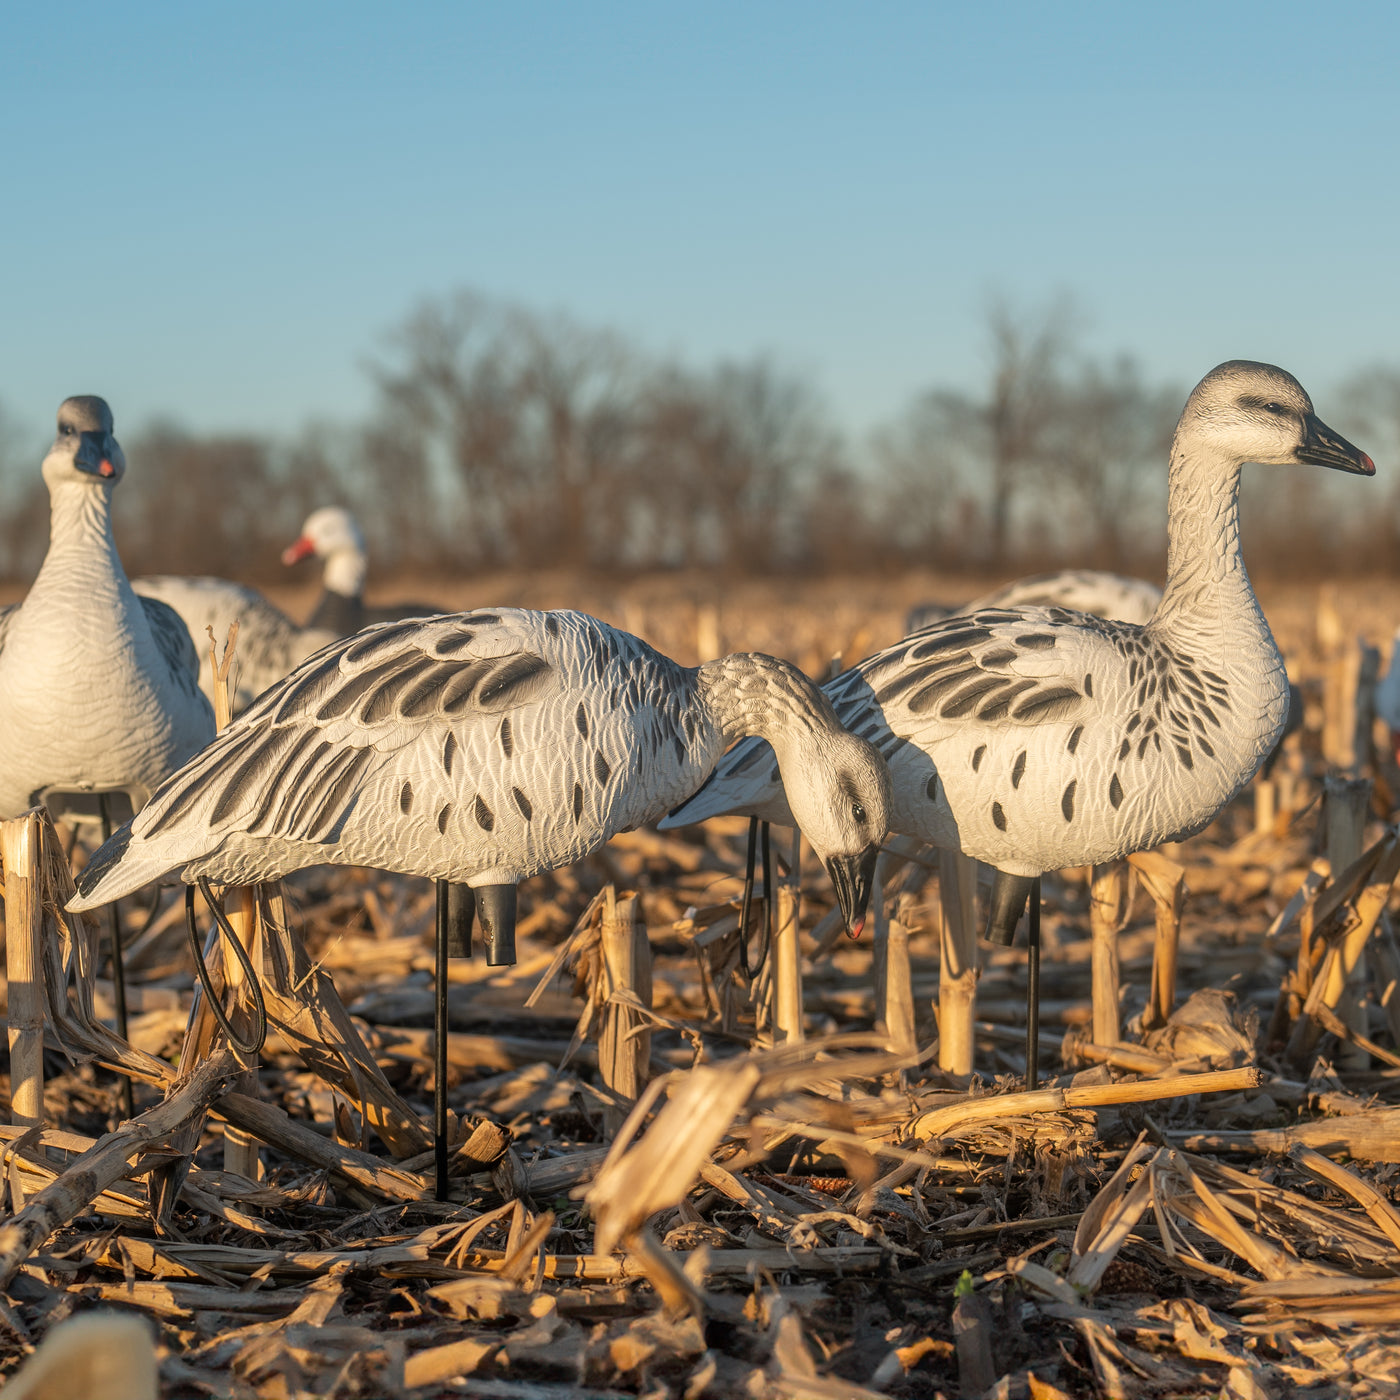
x,y
852,877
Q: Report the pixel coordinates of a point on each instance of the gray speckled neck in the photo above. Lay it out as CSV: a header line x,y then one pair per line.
x,y
750,693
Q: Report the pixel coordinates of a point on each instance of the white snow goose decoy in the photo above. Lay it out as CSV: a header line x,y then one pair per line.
x,y
334,536
482,748
269,643
1039,738
98,688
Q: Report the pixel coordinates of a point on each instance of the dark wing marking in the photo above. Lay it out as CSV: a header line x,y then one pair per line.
x,y
177,647
292,764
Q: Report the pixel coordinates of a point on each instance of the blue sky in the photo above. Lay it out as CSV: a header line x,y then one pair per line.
x,y
215,212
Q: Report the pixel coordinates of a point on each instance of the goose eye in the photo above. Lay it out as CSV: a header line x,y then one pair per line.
x,y
858,812
1274,408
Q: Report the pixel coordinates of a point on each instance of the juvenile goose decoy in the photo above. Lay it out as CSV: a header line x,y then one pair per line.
x,y
1039,738
482,748
333,535
269,643
99,700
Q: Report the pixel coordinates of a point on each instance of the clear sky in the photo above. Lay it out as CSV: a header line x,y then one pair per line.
x,y
215,211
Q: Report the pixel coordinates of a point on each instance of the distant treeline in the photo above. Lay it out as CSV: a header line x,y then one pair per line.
x,y
499,437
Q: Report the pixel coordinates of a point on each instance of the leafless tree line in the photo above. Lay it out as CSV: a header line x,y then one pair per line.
x,y
499,437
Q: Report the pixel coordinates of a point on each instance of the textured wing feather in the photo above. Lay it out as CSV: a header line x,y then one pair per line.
x,y
176,646
490,745
1022,666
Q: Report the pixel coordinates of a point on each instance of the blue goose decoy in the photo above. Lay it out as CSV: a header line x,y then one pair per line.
x,y
1038,738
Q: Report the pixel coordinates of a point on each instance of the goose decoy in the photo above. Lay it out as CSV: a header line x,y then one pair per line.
x,y
269,643
1113,596
1038,738
334,536
99,694
482,748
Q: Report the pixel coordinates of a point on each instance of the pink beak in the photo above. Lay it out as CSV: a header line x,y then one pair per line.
x,y
298,550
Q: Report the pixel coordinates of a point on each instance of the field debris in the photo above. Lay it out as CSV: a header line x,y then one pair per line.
x,y
670,1178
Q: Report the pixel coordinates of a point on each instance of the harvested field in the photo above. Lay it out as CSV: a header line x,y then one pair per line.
x,y
672,1179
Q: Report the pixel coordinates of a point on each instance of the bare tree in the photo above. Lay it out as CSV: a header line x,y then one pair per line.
x,y
529,416
1020,411
1103,461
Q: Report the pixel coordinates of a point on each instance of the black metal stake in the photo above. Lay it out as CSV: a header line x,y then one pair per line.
x,y
440,1040
114,925
746,902
1033,989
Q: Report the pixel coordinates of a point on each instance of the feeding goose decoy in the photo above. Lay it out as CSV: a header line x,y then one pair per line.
x,y
481,748
1038,738
99,700
269,643
334,536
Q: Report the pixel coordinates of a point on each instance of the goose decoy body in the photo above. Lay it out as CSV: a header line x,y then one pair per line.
x,y
1037,738
481,748
1114,596
98,688
269,643
334,536
99,693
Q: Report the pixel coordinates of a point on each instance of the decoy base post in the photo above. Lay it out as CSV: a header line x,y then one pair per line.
x,y
114,925
1033,990
456,905
1010,894
495,905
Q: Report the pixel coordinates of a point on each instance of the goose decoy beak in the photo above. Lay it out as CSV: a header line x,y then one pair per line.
x,y
299,549
95,453
1322,447
852,877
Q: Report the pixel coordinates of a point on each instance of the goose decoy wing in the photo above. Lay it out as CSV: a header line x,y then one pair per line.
x,y
1020,666
396,703
172,637
1008,667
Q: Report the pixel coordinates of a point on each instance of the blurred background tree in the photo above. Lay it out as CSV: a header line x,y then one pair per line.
x,y
499,437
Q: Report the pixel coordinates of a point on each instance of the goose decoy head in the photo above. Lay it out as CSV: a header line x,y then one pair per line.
x,y
1255,412
841,799
326,532
86,448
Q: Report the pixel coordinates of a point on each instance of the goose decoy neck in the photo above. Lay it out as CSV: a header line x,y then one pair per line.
x,y
751,693
1203,525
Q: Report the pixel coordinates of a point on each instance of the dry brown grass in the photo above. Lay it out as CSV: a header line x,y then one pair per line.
x,y
1188,1212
